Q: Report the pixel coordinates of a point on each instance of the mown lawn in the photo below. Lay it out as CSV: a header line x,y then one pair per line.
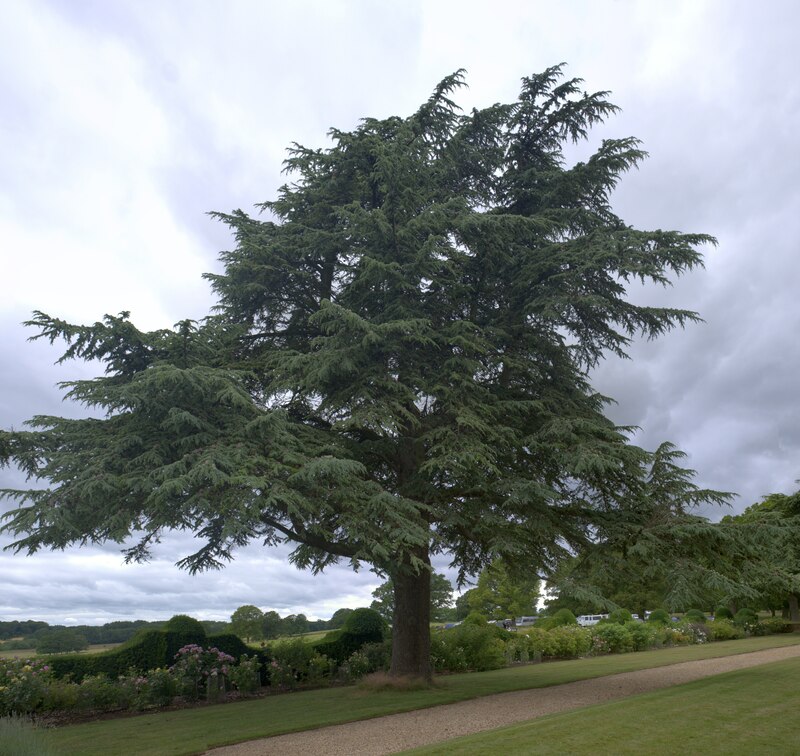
x,y
752,711
192,731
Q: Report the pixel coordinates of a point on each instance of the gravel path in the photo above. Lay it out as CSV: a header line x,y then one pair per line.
x,y
398,732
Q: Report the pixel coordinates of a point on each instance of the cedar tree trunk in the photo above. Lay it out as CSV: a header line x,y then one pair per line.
x,y
411,633
794,609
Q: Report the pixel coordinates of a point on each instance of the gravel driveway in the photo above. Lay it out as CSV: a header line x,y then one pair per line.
x,y
412,729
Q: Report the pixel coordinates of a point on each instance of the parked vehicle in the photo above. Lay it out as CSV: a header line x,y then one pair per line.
x,y
587,620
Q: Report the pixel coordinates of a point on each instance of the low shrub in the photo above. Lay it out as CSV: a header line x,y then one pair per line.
x,y
245,676
99,693
745,617
618,616
356,667
610,638
660,616
570,641
776,625
722,612
23,685
644,636
379,655
200,670
540,643
563,617
695,615
469,646
724,629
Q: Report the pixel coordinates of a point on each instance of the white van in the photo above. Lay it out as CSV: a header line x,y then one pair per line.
x,y
587,620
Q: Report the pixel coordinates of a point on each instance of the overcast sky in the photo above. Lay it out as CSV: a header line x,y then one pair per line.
x,y
122,123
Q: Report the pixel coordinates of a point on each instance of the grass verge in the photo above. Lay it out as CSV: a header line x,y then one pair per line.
x,y
745,712
192,731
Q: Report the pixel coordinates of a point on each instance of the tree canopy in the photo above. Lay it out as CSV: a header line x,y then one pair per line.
x,y
501,595
397,367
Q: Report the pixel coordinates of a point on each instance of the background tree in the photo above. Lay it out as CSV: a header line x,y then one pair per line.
x,y
501,595
295,624
773,525
59,640
248,622
398,365
272,625
441,597
338,618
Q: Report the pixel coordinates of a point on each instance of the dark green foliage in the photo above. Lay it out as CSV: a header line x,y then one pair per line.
x,y
367,623
660,616
723,629
183,623
776,625
723,612
618,617
559,619
398,366
695,615
469,646
745,616
501,593
20,628
476,618
338,618
151,649
615,636
59,641
362,626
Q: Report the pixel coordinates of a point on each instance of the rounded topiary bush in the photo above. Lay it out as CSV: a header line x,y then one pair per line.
x,y
661,616
695,615
618,617
365,622
745,617
475,618
562,618
183,623
722,612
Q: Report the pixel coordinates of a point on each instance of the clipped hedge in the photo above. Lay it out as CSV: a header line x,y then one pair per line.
x,y
362,626
149,650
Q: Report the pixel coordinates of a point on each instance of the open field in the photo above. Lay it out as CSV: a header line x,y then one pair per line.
x,y
30,653
192,731
745,712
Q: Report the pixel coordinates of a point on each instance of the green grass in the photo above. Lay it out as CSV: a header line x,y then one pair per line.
x,y
193,731
745,712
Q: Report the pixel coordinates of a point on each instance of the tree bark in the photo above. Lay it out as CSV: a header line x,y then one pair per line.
x,y
411,634
794,609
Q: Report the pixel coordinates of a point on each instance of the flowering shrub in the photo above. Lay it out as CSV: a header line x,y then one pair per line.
x,y
540,643
198,669
23,685
355,667
610,638
245,676
157,688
